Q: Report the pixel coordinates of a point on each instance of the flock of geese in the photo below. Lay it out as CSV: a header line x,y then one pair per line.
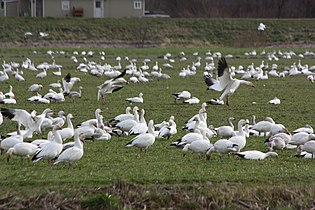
x,y
64,141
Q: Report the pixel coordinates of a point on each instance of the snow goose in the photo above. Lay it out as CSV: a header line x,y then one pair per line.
x,y
22,149
221,146
1,118
239,139
10,93
182,96
75,94
110,86
126,125
169,130
264,126
50,150
275,101
278,141
72,154
198,146
144,140
68,82
193,100
189,137
9,142
140,127
55,84
35,88
307,128
67,132
301,138
226,131
138,99
121,117
255,155
21,116
42,74
4,76
225,82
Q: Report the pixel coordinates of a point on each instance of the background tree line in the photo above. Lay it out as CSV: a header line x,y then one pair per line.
x,y
234,8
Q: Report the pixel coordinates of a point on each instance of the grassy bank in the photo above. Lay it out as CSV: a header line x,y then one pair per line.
x,y
155,32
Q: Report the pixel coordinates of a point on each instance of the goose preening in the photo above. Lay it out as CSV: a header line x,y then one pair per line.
x,y
144,140
221,146
138,99
73,153
225,82
182,96
255,155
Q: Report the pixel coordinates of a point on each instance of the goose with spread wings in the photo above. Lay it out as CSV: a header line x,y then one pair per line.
x,y
225,82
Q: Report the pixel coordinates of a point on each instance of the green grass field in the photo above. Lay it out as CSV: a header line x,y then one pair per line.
x,y
162,175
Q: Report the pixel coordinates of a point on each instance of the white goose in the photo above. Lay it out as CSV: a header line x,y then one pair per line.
x,y
42,74
140,127
10,93
22,149
126,125
122,117
198,146
35,88
239,139
189,138
307,128
50,150
138,99
301,138
225,82
169,130
264,126
222,146
68,132
255,155
9,142
144,140
308,147
226,131
182,96
72,154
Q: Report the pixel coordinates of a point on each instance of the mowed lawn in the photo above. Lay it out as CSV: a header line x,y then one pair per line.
x,y
105,162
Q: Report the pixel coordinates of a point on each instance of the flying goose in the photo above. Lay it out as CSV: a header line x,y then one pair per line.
x,y
225,82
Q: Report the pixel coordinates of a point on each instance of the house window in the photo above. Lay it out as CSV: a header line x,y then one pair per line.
x,y
2,5
137,5
65,5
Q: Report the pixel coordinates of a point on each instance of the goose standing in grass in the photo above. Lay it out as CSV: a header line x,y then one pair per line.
x,y
76,94
255,155
182,96
225,82
264,126
189,138
126,125
50,150
221,146
239,139
22,149
144,140
10,141
138,99
72,154
67,132
121,117
226,131
169,130
198,146
140,127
